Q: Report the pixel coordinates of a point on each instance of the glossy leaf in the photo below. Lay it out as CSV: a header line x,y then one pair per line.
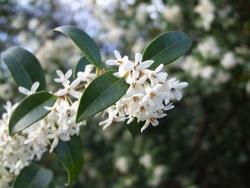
x,y
30,110
80,66
84,42
70,155
24,67
100,94
34,176
167,47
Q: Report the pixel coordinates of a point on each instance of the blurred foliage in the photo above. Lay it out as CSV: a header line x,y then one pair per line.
x,y
203,142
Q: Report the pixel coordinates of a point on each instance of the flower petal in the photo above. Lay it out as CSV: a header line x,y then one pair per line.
x,y
112,62
117,54
68,74
35,86
146,64
138,57
146,124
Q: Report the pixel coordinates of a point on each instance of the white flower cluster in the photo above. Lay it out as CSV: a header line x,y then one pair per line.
x,y
150,93
195,68
229,60
149,96
173,14
209,48
18,151
206,10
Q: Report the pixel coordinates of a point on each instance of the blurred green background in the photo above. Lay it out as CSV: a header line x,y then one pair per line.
x,y
205,140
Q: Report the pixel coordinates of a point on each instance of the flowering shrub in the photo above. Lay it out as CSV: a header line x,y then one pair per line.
x,y
138,91
204,141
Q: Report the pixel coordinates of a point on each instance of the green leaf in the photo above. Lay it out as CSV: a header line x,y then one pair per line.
x,y
71,156
135,128
34,176
84,42
100,94
24,67
167,47
30,110
80,66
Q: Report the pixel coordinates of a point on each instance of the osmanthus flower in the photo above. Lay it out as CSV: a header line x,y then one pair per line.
x,y
175,87
87,76
150,93
69,88
14,155
63,78
136,85
62,122
112,117
156,76
31,143
32,90
122,62
206,10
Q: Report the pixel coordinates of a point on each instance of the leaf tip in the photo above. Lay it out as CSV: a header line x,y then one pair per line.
x,y
11,132
79,118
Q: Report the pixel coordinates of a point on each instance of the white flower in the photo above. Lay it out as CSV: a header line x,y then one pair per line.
x,y
122,164
209,48
154,97
222,77
6,91
157,76
62,122
248,87
123,63
192,66
195,68
59,125
112,115
173,14
207,72
136,86
158,173
127,68
206,10
119,59
229,60
86,76
139,65
69,88
148,96
156,7
175,88
63,78
149,121
32,90
142,64
146,160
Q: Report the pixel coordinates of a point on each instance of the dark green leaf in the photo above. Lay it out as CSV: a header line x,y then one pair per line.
x,y
30,110
34,176
100,94
84,42
167,47
24,67
71,156
80,66
135,128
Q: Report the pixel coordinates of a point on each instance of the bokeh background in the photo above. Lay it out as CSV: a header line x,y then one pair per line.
x,y
205,140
